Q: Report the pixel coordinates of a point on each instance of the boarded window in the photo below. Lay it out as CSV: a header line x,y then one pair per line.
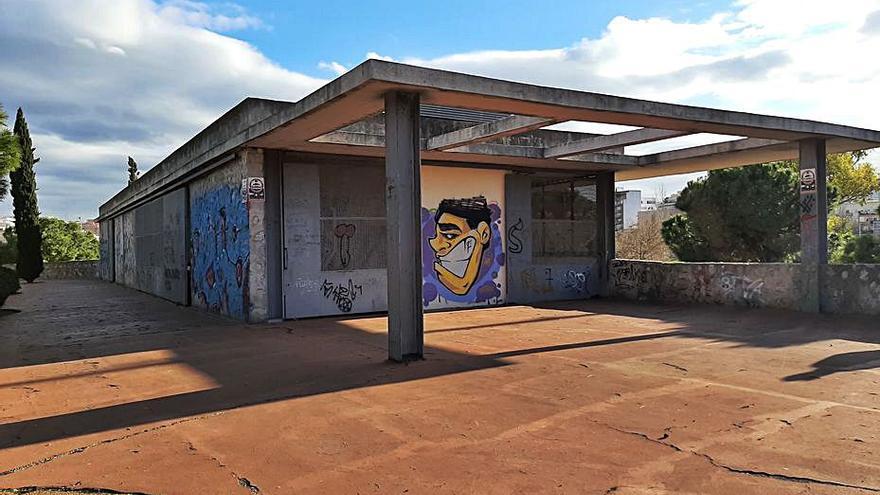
x,y
352,217
564,218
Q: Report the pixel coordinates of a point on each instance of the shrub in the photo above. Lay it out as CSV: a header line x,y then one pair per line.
x,y
858,249
8,284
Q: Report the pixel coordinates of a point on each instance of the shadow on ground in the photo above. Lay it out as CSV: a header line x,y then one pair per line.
x,y
69,321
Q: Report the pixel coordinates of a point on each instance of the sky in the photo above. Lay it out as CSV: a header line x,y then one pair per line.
x,y
103,79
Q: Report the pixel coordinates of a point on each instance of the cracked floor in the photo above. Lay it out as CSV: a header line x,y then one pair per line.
x,y
107,390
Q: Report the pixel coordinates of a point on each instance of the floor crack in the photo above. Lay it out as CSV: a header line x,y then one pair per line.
x,y
65,489
79,450
748,472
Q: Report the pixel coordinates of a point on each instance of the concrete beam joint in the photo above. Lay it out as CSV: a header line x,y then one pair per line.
x,y
599,143
515,124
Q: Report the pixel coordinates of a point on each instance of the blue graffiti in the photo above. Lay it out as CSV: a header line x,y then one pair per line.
x,y
220,252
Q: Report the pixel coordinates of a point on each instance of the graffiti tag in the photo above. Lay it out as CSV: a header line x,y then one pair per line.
x,y
576,281
514,243
343,295
344,232
742,288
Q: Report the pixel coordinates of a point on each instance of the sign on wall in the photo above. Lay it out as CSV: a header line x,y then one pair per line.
x,y
808,180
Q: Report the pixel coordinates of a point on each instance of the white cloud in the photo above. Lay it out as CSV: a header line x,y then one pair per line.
x,y
334,67
798,58
224,17
100,80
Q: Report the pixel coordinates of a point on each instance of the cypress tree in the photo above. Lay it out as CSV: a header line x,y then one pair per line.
x,y
132,170
24,206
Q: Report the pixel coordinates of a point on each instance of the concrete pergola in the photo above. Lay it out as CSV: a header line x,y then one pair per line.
x,y
376,110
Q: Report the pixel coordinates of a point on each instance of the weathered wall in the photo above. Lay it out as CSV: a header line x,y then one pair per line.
x,y
476,241
329,270
220,242
532,278
846,288
105,253
160,246
747,284
71,270
852,289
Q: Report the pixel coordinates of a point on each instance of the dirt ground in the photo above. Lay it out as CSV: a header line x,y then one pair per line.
x,y
104,389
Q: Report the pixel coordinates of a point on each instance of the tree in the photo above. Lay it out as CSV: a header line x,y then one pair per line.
x,y
67,241
852,179
9,153
24,206
737,214
644,242
132,170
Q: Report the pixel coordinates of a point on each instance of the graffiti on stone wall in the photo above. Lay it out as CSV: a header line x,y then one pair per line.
x,y
462,253
742,289
344,232
343,295
220,251
514,243
575,280
628,276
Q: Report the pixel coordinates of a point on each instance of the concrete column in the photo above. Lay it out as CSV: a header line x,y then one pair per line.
x,y
605,239
258,295
813,203
403,205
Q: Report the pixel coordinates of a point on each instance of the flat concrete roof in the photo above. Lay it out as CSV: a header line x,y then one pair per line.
x,y
312,125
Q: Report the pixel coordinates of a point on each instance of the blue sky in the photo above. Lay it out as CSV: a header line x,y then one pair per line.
x,y
103,79
300,35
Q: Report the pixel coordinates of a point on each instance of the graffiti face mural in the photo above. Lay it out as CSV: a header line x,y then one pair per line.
x,y
462,254
462,234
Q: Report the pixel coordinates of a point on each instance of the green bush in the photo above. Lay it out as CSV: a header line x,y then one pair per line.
x,y
8,284
856,249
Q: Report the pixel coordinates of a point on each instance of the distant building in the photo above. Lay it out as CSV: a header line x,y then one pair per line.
x,y
6,222
626,209
648,203
90,226
864,217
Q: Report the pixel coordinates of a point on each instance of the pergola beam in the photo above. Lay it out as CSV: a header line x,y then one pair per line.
x,y
600,143
515,124
708,150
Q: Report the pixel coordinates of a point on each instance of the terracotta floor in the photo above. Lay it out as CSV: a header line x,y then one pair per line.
x,y
105,388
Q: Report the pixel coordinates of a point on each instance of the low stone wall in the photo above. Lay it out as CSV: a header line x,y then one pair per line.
x,y
846,288
70,270
852,289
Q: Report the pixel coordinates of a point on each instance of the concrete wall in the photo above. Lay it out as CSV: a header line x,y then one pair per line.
x,y
846,288
105,252
83,270
220,241
335,253
534,279
310,290
145,248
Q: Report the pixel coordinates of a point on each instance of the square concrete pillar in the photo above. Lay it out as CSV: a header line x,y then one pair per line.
x,y
257,276
403,209
605,241
813,203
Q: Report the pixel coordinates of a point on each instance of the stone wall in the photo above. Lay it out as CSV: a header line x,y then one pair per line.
x,y
70,270
846,288
852,289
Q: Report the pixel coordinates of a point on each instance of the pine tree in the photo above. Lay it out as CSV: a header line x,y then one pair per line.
x,y
132,170
24,206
